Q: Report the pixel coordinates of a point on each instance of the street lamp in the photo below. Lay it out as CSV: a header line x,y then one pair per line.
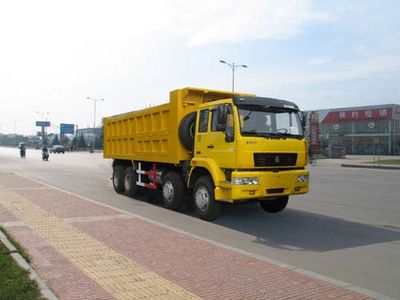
x,y
15,125
42,113
44,129
95,100
233,68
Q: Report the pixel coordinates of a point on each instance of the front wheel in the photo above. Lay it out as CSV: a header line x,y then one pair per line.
x,y
274,205
203,196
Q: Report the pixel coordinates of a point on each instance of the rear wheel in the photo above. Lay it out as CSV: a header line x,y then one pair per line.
x,y
130,178
203,195
274,205
118,178
173,191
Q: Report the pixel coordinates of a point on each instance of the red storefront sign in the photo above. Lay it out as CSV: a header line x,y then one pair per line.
x,y
358,115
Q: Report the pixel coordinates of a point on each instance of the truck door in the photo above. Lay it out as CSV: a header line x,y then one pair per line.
x,y
201,133
218,146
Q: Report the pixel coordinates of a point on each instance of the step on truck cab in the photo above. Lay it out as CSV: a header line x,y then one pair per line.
x,y
216,146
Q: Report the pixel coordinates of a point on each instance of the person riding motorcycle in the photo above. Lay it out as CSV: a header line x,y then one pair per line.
x,y
22,150
45,153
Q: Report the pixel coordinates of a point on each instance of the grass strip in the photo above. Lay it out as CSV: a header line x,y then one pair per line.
x,y
16,245
15,283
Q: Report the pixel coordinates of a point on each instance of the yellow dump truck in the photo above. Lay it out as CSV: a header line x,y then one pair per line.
x,y
217,146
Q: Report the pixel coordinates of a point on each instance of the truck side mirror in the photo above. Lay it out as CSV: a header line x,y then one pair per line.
x,y
303,116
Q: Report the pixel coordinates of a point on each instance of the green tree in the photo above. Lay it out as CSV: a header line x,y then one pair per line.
x,y
56,141
65,139
98,144
81,142
74,142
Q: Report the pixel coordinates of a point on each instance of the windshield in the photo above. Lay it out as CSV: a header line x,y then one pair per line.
x,y
269,122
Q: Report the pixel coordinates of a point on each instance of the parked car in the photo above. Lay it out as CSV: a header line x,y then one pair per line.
x,y
57,149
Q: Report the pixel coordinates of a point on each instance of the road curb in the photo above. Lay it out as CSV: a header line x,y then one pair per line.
x,y
44,290
370,166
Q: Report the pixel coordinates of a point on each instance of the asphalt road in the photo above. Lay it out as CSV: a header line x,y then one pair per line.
x,y
347,227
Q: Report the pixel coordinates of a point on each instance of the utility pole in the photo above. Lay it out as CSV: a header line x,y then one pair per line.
x,y
95,100
44,132
15,125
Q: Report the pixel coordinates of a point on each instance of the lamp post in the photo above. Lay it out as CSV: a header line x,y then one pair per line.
x,y
95,100
43,113
76,138
15,125
233,67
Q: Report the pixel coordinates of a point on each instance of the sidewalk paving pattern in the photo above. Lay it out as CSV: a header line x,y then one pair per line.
x,y
85,250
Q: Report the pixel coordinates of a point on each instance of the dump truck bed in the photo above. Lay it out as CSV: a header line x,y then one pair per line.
x,y
152,134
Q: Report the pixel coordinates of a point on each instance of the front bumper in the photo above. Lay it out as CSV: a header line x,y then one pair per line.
x,y
271,184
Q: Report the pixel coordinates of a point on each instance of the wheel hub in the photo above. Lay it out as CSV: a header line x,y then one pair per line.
x,y
168,191
202,198
128,182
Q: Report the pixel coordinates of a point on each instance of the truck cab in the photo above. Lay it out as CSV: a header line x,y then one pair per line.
x,y
253,148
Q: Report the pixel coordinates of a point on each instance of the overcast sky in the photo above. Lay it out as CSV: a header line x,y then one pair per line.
x,y
319,54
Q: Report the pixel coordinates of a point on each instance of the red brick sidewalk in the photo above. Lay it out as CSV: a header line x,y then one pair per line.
x,y
195,266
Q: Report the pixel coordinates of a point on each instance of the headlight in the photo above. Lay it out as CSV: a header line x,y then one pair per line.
x,y
302,178
246,181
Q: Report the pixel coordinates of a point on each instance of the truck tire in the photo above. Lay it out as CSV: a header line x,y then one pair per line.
x,y
274,205
203,197
118,178
173,191
186,131
130,187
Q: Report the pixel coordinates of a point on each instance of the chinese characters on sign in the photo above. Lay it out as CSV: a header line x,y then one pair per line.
x,y
360,115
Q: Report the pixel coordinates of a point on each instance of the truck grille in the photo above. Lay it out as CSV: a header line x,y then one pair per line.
x,y
275,191
274,159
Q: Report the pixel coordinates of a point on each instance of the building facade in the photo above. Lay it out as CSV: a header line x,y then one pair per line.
x,y
372,130
90,134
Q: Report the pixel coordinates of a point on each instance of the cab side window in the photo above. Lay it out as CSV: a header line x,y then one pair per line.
x,y
214,120
203,122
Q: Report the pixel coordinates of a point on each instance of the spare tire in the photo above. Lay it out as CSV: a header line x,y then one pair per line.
x,y
186,131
